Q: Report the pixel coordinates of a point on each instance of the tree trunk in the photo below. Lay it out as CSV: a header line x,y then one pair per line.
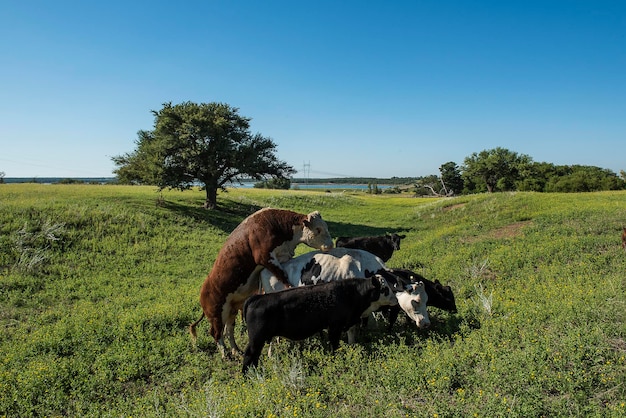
x,y
211,198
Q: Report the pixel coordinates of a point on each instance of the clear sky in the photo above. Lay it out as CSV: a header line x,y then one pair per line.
x,y
353,88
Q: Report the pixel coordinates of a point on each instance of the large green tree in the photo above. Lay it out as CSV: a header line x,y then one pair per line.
x,y
497,169
208,144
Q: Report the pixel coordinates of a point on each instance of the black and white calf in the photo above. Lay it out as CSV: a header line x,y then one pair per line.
x,y
439,296
298,313
381,246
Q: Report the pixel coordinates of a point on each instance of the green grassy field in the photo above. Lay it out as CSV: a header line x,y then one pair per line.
x,y
99,283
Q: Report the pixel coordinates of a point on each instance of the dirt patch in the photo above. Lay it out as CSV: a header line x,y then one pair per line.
x,y
509,231
451,207
506,232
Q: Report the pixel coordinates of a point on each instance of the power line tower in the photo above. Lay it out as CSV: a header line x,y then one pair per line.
x,y
306,169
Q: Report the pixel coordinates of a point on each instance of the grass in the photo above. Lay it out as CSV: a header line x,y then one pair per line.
x,y
99,283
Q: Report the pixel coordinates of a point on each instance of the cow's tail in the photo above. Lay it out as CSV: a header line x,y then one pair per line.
x,y
192,328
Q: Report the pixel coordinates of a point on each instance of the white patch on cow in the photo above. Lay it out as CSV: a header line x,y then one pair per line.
x,y
387,297
285,251
337,264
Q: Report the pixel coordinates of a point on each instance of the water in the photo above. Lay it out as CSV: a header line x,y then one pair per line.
x,y
333,186
324,186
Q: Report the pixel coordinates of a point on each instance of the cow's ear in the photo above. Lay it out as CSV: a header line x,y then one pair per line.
x,y
402,236
310,217
437,281
313,215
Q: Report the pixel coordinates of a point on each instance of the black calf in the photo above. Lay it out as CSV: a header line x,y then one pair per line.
x,y
301,312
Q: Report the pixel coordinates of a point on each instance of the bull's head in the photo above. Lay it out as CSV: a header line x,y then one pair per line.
x,y
315,232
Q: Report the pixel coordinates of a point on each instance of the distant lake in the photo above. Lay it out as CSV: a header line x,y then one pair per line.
x,y
334,186
329,186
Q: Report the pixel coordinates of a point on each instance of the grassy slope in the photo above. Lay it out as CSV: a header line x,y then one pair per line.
x,y
98,285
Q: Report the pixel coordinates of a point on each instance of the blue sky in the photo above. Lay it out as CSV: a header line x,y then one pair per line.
x,y
353,88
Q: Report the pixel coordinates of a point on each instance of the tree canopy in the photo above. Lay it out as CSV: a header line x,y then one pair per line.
x,y
208,144
497,169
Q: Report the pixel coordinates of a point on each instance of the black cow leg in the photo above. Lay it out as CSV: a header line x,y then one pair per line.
x,y
251,356
333,336
393,315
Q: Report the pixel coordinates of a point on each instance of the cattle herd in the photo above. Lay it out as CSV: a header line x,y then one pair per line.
x,y
296,297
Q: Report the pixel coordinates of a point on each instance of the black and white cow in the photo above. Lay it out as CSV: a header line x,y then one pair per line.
x,y
300,312
344,263
439,296
381,246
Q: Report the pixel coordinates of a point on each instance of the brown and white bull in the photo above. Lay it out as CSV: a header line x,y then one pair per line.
x,y
345,263
264,240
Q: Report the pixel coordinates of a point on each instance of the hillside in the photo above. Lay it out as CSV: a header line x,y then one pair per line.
x,y
99,283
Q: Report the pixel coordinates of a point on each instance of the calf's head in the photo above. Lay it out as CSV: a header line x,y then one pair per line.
x,y
413,303
395,240
315,232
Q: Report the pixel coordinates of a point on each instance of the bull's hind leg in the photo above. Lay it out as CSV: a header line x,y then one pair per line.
x,y
234,304
229,332
229,314
217,333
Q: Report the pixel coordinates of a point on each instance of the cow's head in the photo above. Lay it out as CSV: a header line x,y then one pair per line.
x,y
315,232
395,240
413,303
445,297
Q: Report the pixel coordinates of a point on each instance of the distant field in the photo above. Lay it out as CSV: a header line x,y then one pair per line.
x,y
99,283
